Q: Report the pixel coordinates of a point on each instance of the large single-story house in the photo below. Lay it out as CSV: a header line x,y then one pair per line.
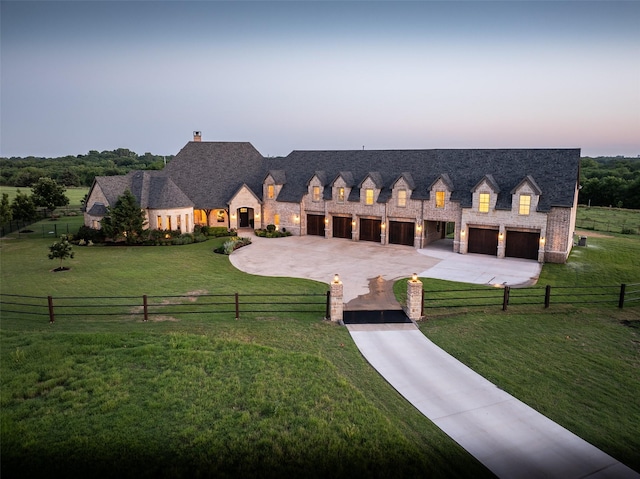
x,y
502,202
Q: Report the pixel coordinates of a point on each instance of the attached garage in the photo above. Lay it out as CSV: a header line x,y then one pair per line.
x,y
342,227
315,225
483,241
402,232
522,244
370,230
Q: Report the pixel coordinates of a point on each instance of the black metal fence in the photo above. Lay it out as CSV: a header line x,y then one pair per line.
x,y
231,305
505,296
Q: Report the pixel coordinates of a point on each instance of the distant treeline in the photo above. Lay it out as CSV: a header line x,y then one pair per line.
x,y
610,182
605,181
76,170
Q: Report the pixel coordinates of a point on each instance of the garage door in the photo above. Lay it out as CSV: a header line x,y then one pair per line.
x,y
370,230
401,232
522,244
315,225
341,227
483,241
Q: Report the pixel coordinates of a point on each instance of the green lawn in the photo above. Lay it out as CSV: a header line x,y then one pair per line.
x,y
289,395
195,396
75,195
610,220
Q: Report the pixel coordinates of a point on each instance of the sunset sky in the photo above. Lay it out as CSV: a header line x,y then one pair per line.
x,y
90,75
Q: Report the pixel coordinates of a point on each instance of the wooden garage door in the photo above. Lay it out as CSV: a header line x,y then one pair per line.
x,y
315,225
522,244
401,232
483,241
370,230
341,227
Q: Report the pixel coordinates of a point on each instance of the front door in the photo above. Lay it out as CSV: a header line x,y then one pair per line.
x,y
245,216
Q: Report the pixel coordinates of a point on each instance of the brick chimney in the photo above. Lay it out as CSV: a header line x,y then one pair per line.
x,y
197,136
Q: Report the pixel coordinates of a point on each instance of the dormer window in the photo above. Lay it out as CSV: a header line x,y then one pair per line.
x,y
270,191
525,204
483,205
316,193
341,194
402,198
368,196
440,199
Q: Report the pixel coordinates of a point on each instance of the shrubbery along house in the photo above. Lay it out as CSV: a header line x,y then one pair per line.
x,y
502,202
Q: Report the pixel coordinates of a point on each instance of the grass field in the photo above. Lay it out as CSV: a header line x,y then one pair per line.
x,y
610,220
291,395
75,195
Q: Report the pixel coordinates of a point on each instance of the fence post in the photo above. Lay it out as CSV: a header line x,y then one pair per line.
x,y
505,298
327,313
547,296
623,287
51,316
145,307
237,306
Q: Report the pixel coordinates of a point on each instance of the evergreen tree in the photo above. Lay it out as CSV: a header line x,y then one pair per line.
x,y
125,219
23,208
49,194
5,209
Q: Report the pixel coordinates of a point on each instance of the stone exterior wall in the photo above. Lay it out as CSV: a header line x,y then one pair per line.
x,y
97,196
169,219
560,226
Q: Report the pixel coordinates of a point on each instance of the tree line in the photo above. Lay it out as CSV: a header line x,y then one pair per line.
x,y
605,181
80,170
610,182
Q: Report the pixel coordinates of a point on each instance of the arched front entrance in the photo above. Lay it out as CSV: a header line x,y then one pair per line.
x,y
245,217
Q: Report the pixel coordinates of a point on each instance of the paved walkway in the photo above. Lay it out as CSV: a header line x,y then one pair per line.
x,y
507,436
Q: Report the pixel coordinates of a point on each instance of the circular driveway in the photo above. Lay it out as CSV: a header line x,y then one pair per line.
x,y
357,262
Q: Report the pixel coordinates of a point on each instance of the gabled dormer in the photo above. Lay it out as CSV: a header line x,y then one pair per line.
x,y
315,186
525,196
273,183
440,191
485,194
341,186
370,188
401,189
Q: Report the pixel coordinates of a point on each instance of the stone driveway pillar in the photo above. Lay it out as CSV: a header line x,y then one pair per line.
x,y
414,298
336,306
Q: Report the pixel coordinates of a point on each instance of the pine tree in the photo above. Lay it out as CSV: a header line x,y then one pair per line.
x,y
125,219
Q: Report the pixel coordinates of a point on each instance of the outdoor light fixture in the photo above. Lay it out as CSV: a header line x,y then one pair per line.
x,y
336,279
501,236
542,240
419,227
257,215
353,223
326,221
233,216
296,218
383,226
414,277
462,233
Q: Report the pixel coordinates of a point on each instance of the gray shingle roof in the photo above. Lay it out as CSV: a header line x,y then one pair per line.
x,y
210,173
555,171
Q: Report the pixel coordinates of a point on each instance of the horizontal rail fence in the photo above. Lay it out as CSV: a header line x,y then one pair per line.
x,y
233,305
504,297
608,226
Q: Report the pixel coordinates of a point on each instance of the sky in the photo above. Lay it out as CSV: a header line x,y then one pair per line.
x,y
330,75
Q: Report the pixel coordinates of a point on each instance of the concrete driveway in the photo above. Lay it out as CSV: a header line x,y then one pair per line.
x,y
358,262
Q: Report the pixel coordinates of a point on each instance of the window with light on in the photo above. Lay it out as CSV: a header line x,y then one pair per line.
x,y
483,206
525,204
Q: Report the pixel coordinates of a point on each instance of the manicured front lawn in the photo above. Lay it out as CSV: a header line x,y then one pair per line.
x,y
194,396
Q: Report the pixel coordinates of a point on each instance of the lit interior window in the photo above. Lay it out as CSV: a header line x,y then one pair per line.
x,y
270,191
341,195
439,199
402,198
368,196
483,207
316,193
525,204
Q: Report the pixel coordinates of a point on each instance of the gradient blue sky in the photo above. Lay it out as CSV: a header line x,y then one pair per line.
x,y
90,75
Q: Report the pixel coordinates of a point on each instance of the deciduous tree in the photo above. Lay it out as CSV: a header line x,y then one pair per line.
x,y
5,209
61,250
49,194
23,208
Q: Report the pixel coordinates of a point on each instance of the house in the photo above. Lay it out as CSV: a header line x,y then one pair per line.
x,y
501,202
